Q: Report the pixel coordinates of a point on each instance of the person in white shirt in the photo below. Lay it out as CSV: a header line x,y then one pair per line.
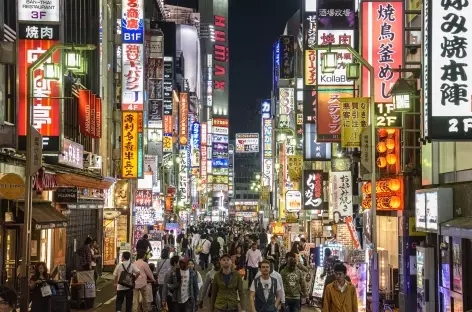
x,y
140,286
123,292
253,257
277,276
221,241
193,245
265,291
204,254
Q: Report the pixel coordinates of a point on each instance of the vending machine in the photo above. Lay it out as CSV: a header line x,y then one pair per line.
x,y
425,279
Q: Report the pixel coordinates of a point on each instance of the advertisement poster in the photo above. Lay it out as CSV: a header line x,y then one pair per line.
x,y
156,249
354,118
341,195
313,189
109,247
293,201
358,275
456,264
59,246
329,112
132,145
318,283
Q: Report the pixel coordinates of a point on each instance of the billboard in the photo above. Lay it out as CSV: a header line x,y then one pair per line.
x,y
354,119
132,21
287,57
132,145
247,142
132,91
329,112
336,14
220,58
312,150
183,118
195,145
312,189
382,45
447,52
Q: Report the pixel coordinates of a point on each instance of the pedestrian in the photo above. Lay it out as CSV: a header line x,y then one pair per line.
x,y
273,250
85,255
144,244
215,248
265,291
183,285
38,280
140,287
168,290
8,299
263,241
191,266
95,258
226,287
124,291
163,266
206,288
294,284
253,257
340,295
278,277
203,250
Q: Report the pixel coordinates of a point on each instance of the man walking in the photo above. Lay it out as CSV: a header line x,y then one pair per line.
x,y
294,284
205,291
263,241
140,289
253,257
273,250
184,285
278,277
122,291
265,291
340,295
227,286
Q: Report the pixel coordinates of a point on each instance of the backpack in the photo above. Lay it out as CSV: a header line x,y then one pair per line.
x,y
199,247
126,278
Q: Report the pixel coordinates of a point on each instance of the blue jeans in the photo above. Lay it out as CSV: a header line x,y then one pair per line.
x,y
292,305
120,297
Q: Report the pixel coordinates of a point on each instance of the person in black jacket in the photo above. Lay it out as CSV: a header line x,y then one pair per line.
x,y
273,250
215,249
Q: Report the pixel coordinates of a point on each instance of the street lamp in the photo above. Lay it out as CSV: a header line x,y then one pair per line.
x,y
402,93
52,71
353,71
329,62
73,60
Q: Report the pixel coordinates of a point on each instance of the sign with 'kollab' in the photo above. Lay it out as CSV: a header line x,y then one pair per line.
x,y
67,195
72,154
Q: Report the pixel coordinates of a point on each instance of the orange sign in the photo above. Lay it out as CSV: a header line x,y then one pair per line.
x,y
221,122
183,118
131,145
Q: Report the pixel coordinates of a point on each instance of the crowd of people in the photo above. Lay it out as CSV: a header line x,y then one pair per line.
x,y
226,255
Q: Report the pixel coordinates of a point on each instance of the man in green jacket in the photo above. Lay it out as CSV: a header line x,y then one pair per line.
x,y
227,285
294,284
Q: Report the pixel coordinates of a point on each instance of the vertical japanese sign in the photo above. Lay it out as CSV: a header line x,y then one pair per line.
x,y
287,100
231,171
132,82
220,58
310,68
84,111
340,195
219,153
195,145
183,174
314,151
382,45
354,118
33,42
98,118
329,112
447,89
155,74
183,118
312,189
143,198
310,28
203,152
287,57
132,22
267,149
132,145
336,37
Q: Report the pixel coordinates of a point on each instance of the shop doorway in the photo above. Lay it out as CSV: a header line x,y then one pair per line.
x,y
11,251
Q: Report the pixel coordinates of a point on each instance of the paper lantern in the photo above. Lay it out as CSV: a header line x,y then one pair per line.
x,y
384,202
381,147
366,188
394,184
382,133
381,162
395,202
391,159
390,144
391,131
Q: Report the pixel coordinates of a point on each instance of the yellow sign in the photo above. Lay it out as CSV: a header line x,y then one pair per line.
x,y
310,67
121,194
131,143
295,165
354,118
12,186
278,228
167,143
291,217
413,5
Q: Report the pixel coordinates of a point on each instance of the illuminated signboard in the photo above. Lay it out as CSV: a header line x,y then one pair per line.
x,y
195,145
132,145
247,142
183,176
183,118
72,154
287,100
132,94
203,152
267,132
132,22
220,58
39,11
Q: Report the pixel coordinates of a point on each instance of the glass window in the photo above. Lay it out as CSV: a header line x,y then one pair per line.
x,y
446,265
457,264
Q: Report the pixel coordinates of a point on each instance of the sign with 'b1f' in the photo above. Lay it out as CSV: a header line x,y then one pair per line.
x,y
38,10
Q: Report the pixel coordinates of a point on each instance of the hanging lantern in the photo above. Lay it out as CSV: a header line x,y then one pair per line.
x,y
383,187
381,147
391,159
366,188
367,203
390,144
395,202
384,202
394,184
382,133
381,162
391,131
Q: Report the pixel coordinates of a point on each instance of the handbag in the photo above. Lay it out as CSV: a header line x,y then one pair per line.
x,y
199,248
46,290
126,278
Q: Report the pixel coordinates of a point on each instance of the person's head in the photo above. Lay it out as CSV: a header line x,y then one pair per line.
x,y
125,256
273,239
165,253
8,299
174,261
225,261
171,232
254,246
340,272
272,263
216,264
41,268
191,264
327,252
183,265
265,268
140,254
145,236
88,241
303,240
152,267
94,243
291,259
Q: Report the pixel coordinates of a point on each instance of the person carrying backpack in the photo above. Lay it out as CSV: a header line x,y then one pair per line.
x,y
265,291
125,274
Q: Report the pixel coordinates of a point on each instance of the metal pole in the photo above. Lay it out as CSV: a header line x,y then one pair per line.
x,y
28,209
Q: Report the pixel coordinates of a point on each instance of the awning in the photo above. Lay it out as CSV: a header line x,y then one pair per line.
x,y
71,179
459,227
46,216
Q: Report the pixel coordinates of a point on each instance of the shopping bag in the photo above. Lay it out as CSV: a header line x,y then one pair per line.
x,y
46,290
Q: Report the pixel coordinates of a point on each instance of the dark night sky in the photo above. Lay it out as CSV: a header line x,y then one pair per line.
x,y
254,25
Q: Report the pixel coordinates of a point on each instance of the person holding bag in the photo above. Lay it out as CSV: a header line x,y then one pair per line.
x,y
125,275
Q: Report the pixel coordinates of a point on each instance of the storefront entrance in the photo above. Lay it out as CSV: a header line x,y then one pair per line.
x,y
10,239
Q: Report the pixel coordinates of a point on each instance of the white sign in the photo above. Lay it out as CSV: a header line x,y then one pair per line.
x,y
132,94
220,187
38,10
220,130
293,201
267,172
287,100
72,154
336,37
450,50
341,195
183,176
37,150
247,142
